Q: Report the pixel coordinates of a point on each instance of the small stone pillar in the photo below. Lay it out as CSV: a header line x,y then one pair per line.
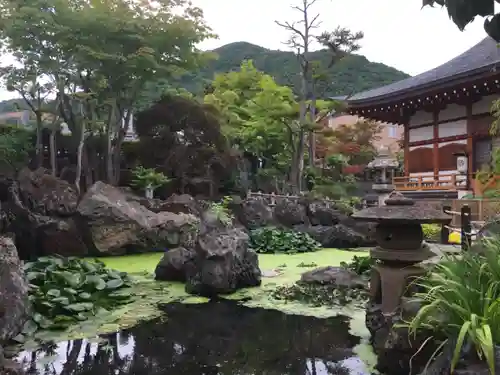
x,y
384,166
400,247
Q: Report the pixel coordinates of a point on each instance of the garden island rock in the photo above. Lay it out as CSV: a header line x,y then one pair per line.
x,y
14,303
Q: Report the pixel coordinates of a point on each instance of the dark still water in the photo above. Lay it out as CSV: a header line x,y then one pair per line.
x,y
217,338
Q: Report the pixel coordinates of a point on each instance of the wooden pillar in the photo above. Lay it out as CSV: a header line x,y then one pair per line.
x,y
406,149
435,149
470,146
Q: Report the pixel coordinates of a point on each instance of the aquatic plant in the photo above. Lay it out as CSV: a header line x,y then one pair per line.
x,y
68,290
320,295
274,240
461,300
362,265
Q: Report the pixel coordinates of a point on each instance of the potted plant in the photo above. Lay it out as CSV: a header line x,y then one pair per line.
x,y
148,179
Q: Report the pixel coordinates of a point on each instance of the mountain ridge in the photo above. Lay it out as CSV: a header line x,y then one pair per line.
x,y
354,73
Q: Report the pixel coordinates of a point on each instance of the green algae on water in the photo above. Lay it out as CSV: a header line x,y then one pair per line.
x,y
147,294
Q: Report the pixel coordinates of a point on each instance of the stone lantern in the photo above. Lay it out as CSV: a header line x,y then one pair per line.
x,y
400,247
384,166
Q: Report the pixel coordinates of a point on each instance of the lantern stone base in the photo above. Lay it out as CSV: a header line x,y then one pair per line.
x,y
398,352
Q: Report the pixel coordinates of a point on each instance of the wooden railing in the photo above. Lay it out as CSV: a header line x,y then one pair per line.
x,y
450,181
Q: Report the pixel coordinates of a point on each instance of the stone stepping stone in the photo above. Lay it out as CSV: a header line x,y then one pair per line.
x,y
271,273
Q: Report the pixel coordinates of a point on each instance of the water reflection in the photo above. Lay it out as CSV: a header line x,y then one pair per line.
x,y
218,338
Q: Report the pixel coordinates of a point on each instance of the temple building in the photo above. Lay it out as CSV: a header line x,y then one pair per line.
x,y
446,116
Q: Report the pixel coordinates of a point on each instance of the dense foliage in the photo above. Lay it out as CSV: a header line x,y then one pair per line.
x,y
354,74
16,145
271,240
431,231
464,12
466,313
66,290
97,81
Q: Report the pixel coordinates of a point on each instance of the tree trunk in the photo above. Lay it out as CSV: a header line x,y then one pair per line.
x,y
79,158
109,154
312,134
53,153
87,172
39,140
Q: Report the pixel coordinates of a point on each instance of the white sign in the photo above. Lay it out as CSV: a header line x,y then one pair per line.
x,y
462,164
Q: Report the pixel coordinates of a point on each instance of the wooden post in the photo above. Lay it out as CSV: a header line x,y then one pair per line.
x,y
273,199
445,232
466,227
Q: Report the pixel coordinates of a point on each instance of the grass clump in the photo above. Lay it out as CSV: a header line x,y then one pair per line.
x,y
64,291
461,301
271,240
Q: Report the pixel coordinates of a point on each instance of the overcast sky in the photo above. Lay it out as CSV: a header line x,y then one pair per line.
x,y
398,33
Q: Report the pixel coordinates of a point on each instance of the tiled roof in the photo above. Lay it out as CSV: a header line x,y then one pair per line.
x,y
480,58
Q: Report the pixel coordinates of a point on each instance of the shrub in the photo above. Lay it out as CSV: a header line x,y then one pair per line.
x,y
221,210
147,177
274,240
361,265
431,231
65,290
461,299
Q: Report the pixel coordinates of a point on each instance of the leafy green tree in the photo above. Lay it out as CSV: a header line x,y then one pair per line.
x,y
100,56
463,12
261,118
28,83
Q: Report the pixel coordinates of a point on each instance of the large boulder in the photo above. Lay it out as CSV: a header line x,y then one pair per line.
x,y
323,213
39,209
113,224
338,236
223,263
254,213
44,194
337,276
289,213
14,303
183,203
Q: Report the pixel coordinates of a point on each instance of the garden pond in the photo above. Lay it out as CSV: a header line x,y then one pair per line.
x,y
165,331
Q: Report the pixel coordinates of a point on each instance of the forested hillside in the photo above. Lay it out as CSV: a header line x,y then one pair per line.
x,y
352,74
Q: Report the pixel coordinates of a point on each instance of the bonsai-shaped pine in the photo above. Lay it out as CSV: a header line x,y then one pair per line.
x,y
148,179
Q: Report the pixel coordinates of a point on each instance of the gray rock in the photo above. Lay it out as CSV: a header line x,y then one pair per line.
x,y
112,224
338,236
323,213
223,263
254,213
290,213
173,264
39,211
335,276
14,303
44,194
